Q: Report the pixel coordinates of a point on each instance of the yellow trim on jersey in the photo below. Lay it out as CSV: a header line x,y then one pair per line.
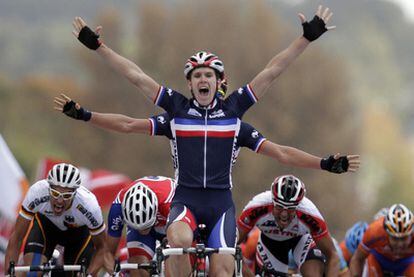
x,y
83,248
98,230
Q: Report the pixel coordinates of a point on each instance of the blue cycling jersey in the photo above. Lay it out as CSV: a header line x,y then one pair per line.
x,y
205,141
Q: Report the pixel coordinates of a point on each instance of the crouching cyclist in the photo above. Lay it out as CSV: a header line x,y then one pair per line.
x,y
143,206
65,213
289,221
387,245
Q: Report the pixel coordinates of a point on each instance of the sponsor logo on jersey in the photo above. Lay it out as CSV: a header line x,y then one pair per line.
x,y
240,91
161,119
88,215
194,112
218,113
38,201
69,218
305,249
275,231
169,92
265,258
116,223
255,134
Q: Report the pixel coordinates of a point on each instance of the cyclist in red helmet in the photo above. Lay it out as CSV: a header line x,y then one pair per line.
x,y
289,221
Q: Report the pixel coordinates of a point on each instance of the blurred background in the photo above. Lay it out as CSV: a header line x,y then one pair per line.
x,y
350,92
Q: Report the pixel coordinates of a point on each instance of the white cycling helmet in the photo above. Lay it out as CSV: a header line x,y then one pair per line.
x,y
64,175
287,191
204,59
399,221
139,207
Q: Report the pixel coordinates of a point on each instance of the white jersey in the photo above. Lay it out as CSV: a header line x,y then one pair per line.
x,y
84,210
258,212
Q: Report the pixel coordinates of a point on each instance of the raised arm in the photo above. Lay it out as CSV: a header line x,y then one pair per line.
x,y
311,31
145,84
116,122
294,157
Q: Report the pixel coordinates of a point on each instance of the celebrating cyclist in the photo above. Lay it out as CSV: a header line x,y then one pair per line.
x,y
206,133
201,188
143,206
63,212
387,245
289,221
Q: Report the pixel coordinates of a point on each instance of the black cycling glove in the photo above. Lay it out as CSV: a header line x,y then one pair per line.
x,y
314,28
89,38
80,114
331,164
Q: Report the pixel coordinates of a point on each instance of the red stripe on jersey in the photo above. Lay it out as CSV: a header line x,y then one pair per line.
x,y
212,134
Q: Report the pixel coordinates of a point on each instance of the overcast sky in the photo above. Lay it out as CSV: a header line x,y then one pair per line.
x,y
408,7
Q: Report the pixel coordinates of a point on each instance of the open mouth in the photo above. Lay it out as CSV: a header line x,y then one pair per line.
x,y
204,90
58,208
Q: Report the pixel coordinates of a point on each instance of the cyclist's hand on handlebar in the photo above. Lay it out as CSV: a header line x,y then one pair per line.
x,y
72,109
313,29
85,35
340,164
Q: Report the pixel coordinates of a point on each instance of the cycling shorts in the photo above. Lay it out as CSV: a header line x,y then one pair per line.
x,y
275,254
44,236
211,207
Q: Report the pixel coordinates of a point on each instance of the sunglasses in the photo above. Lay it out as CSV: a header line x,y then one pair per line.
x,y
65,195
290,209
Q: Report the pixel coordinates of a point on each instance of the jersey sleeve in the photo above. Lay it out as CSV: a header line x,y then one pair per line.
x,y
317,225
241,100
250,137
250,215
115,220
34,197
170,100
372,236
160,125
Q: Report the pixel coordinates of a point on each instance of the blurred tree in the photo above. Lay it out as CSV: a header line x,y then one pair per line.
x,y
389,168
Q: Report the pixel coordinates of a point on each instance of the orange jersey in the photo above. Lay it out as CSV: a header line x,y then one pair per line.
x,y
376,239
345,252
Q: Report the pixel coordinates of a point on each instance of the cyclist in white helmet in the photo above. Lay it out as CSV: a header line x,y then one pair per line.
x,y
142,206
63,212
387,245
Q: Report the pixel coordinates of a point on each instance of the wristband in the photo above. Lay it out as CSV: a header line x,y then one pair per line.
x,y
89,38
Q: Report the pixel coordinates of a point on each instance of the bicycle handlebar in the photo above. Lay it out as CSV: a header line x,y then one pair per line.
x,y
47,268
195,250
